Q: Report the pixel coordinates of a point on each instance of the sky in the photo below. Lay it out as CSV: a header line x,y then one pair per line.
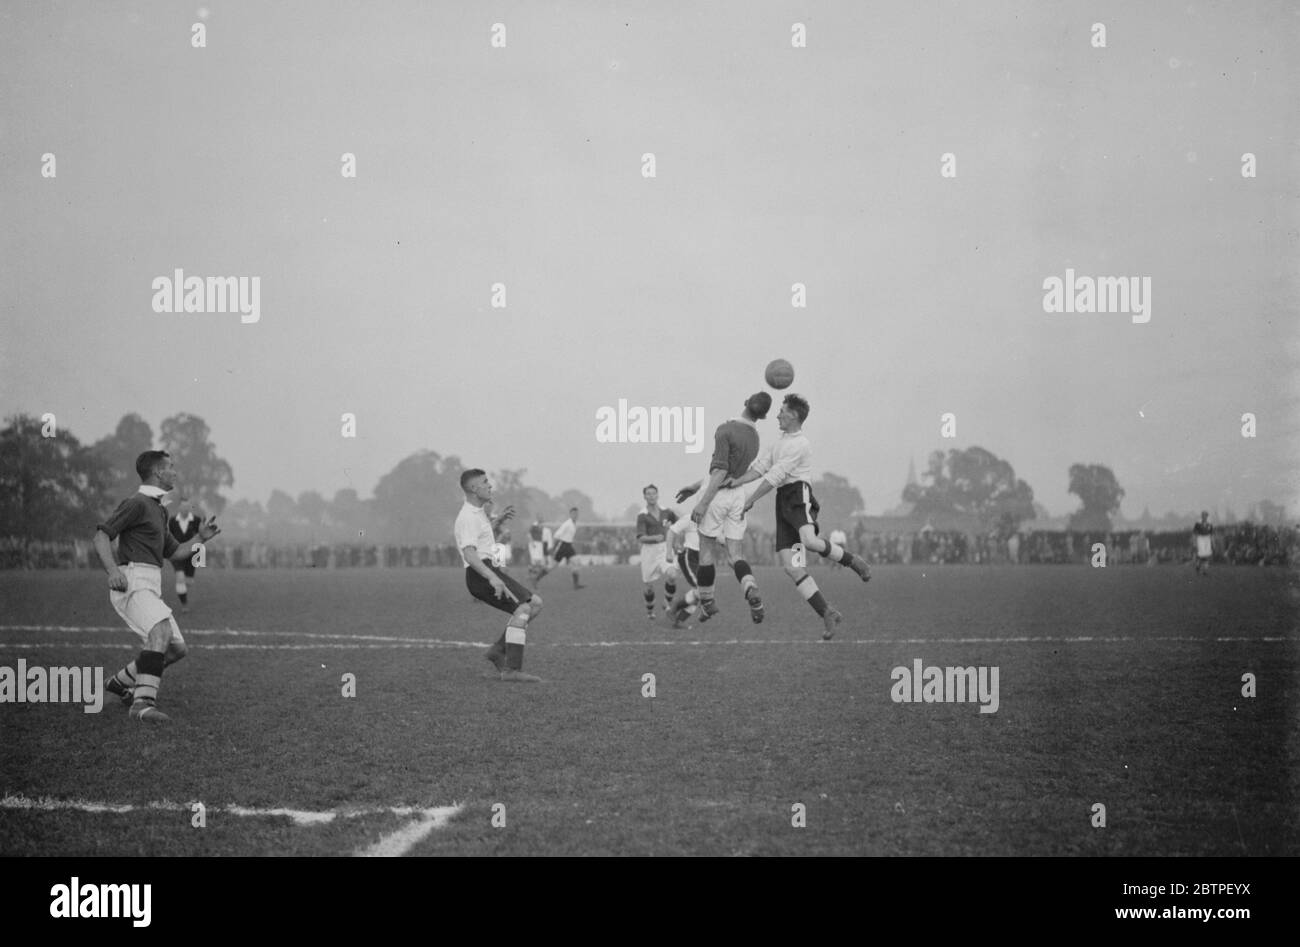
x,y
774,165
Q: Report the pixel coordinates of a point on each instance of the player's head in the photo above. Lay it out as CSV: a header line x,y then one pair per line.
x,y
185,508
155,468
573,513
476,484
1205,515
669,517
651,494
757,406
794,411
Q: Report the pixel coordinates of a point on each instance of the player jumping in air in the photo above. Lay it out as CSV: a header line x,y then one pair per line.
x,y
488,581
184,526
139,524
719,512
787,466
655,561
1202,534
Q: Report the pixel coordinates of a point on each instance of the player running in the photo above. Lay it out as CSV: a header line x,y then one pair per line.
x,y
539,549
1203,543
651,533
488,581
684,536
564,551
184,526
139,524
719,512
787,466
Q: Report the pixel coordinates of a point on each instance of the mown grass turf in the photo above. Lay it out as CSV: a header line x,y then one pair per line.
x,y
737,733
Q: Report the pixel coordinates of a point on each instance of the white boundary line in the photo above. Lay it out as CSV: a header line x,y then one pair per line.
x,y
379,642
399,842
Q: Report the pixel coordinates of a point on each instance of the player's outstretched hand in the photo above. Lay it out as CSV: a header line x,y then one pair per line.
x,y
507,513
209,529
686,492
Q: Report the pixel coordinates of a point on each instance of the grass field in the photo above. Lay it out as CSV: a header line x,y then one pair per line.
x,y
1119,686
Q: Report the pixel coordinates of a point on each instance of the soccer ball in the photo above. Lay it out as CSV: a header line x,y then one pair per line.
x,y
780,373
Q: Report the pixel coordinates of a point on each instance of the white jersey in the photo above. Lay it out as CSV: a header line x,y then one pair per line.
x,y
565,532
686,526
787,461
473,528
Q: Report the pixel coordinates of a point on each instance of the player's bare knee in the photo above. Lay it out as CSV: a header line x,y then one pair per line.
x,y
177,650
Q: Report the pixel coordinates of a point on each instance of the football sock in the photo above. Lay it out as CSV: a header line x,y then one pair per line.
x,y
185,599
148,678
670,589
126,677
837,554
575,579
808,589
745,576
706,577
515,638
649,595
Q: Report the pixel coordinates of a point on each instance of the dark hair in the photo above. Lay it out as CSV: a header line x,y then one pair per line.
x,y
148,461
648,486
468,475
798,404
759,404
573,509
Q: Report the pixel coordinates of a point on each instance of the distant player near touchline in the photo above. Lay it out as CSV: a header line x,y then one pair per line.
x,y
564,551
488,582
787,466
139,524
719,512
1202,538
184,526
655,562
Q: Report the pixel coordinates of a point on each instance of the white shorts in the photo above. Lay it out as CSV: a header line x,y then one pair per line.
x,y
141,605
1204,548
655,563
536,555
725,515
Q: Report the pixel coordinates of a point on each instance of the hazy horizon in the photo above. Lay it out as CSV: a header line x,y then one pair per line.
x,y
774,166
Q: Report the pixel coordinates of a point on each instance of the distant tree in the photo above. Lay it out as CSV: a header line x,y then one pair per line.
x,y
975,482
1270,513
838,500
51,488
311,510
202,473
1095,485
245,521
416,502
119,450
350,516
586,512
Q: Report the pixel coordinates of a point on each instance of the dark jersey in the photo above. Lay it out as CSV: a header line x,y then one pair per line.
x,y
535,532
735,445
183,534
648,524
141,524
1202,529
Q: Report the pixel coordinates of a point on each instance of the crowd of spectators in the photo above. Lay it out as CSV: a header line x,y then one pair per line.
x,y
1235,544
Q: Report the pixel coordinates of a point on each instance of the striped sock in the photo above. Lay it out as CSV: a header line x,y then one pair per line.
x,y
745,576
515,638
649,595
149,675
706,575
126,676
808,589
670,589
837,554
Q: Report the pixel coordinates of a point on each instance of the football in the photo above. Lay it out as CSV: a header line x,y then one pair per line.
x,y
780,373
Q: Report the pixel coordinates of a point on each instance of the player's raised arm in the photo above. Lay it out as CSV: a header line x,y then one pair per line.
x,y
207,530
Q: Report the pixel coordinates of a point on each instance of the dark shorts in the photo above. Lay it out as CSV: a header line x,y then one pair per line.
x,y
564,551
795,507
185,564
481,589
688,561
